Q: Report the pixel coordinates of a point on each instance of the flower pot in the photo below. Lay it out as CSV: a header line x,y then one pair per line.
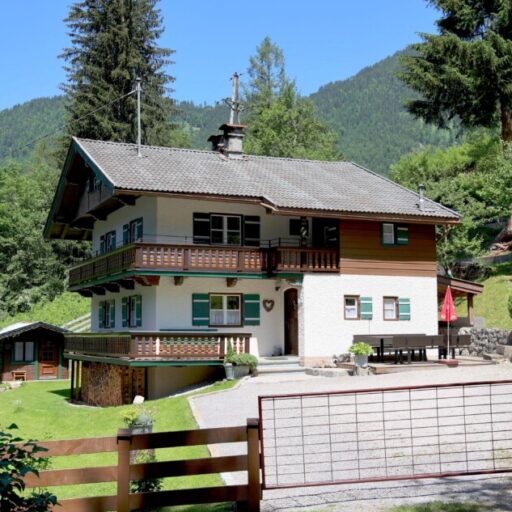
x,y
230,374
241,371
361,361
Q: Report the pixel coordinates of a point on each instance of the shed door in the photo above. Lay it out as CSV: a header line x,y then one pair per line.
x,y
48,360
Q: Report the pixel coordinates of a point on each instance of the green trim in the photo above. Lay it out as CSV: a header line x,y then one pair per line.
x,y
287,275
129,273
145,363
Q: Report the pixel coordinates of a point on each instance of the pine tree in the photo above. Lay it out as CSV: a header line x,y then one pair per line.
x,y
112,43
465,72
280,122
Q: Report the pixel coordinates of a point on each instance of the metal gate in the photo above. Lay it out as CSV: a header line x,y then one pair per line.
x,y
386,434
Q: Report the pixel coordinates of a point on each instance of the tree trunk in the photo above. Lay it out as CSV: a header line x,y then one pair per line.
x,y
506,133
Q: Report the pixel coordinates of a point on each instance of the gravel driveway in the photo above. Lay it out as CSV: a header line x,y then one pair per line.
x,y
234,406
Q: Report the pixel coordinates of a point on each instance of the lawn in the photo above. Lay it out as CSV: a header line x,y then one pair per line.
x,y
41,412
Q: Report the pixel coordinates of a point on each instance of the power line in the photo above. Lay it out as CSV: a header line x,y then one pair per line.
x,y
62,126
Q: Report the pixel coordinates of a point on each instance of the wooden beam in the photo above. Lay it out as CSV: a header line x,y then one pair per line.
x,y
178,280
147,280
98,290
86,292
231,281
112,287
127,284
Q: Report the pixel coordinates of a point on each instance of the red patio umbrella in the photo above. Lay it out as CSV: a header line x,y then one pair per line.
x,y
448,313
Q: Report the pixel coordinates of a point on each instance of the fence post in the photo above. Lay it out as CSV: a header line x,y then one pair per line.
x,y
253,464
124,440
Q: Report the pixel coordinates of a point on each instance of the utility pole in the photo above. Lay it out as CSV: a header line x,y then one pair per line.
x,y
138,90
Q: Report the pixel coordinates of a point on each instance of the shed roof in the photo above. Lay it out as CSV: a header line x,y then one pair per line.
x,y
13,330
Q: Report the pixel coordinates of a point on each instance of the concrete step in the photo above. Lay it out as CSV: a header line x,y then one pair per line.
x,y
281,364
273,369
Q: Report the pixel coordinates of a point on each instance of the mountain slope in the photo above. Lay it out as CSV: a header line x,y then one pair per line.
x,y
368,112
26,122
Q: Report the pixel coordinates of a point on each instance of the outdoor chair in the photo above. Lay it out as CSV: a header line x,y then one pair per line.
x,y
419,343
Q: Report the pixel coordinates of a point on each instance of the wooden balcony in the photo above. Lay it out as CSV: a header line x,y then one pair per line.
x,y
204,259
157,345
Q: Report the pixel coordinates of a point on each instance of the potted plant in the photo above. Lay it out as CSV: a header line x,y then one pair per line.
x,y
361,351
242,364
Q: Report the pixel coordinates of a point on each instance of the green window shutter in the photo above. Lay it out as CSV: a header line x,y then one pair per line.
x,y
113,242
124,311
200,309
138,310
138,229
366,308
101,314
126,234
102,244
251,309
402,235
112,313
404,309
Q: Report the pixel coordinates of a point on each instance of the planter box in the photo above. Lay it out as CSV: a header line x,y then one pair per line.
x,y
240,371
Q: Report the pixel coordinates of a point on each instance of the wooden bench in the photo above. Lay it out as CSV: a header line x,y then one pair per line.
x,y
19,375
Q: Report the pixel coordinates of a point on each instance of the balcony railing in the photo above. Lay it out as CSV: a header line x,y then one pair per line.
x,y
157,345
206,258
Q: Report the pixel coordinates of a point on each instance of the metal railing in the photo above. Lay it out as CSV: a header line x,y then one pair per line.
x,y
386,434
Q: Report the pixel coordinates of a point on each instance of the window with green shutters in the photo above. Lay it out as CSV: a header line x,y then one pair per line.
x,y
366,308
200,309
133,231
107,314
251,309
404,309
131,310
393,234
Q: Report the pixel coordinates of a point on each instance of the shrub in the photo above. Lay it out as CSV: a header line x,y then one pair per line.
x,y
16,461
242,360
361,349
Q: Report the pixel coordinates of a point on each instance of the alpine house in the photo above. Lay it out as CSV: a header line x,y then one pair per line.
x,y
193,250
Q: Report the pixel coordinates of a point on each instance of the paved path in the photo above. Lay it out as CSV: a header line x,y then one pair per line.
x,y
234,406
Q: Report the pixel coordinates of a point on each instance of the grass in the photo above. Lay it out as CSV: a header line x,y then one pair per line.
x,y
492,302
41,412
62,309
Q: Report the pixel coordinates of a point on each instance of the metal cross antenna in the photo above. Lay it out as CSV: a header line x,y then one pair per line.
x,y
234,103
138,90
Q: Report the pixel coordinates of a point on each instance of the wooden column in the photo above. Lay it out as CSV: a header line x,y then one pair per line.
x,y
124,440
253,464
72,390
471,311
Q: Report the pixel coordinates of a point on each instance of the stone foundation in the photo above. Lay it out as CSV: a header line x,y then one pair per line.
x,y
484,341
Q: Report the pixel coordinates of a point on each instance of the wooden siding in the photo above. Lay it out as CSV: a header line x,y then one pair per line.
x,y
362,252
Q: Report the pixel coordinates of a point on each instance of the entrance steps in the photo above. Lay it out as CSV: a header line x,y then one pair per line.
x,y
278,365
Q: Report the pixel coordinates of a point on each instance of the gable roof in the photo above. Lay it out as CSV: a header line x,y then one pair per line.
x,y
281,184
284,182
13,330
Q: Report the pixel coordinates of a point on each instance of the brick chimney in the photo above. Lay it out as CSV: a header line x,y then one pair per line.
x,y
230,142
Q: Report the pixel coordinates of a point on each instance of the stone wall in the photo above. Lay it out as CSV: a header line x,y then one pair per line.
x,y
485,340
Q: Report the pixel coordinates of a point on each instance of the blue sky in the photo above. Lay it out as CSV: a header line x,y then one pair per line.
x,y
323,41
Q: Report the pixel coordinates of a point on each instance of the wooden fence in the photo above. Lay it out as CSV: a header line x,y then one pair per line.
x,y
248,495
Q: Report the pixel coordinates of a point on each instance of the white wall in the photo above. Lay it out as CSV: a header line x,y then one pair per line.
x,y
148,294
144,207
325,332
174,308
175,218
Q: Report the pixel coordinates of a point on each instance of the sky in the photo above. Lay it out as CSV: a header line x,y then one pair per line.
x,y
323,41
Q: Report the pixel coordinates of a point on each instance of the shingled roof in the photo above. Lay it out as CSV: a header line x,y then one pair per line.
x,y
283,183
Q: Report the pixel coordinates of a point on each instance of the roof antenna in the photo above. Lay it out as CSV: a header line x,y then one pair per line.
x,y
138,90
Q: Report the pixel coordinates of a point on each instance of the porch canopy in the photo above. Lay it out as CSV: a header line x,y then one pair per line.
x,y
460,289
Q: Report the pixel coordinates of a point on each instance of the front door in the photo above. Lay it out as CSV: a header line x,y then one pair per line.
x,y
48,360
291,323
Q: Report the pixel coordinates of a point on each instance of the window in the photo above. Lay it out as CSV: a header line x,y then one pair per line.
x,y
390,308
108,242
294,227
24,351
132,311
393,234
107,314
132,232
225,229
351,307
225,310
